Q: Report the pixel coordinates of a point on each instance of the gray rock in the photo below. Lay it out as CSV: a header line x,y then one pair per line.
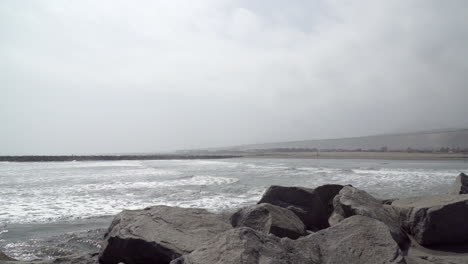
x,y
312,206
269,218
435,260
438,219
460,186
445,254
244,246
326,193
355,240
388,201
351,201
158,234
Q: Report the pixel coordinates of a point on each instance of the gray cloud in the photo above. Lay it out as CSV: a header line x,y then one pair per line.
x,y
120,76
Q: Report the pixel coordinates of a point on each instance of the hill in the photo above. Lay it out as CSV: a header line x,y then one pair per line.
x,y
435,140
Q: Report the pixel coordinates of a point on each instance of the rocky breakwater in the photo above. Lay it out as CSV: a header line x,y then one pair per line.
x,y
331,224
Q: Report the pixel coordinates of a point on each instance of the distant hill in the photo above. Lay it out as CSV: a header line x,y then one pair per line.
x,y
426,140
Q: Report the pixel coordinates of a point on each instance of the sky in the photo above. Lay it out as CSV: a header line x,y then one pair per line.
x,y
110,76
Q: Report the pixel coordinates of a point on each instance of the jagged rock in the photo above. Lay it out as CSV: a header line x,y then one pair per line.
x,y
355,240
312,206
269,218
244,246
351,201
460,186
438,219
158,234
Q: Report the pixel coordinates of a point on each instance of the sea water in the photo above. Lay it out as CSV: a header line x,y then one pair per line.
x,y
49,209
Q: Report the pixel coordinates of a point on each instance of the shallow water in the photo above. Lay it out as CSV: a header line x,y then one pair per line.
x,y
44,205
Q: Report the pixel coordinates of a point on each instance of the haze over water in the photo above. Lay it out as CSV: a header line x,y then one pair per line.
x,y
46,204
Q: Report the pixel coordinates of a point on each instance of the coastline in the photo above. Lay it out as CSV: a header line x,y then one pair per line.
x,y
44,158
359,155
365,155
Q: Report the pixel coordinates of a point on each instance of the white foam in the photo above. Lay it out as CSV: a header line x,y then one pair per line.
x,y
51,203
44,192
97,164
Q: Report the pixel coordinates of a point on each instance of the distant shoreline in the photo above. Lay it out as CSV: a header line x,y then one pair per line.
x,y
261,154
359,155
32,158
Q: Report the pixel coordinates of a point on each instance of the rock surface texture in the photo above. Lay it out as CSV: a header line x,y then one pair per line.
x,y
351,201
435,220
244,246
457,254
268,218
355,240
312,206
460,186
158,234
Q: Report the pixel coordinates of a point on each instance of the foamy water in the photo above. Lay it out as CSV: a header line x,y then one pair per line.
x,y
36,195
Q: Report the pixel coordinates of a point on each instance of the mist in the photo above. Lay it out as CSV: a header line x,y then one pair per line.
x,y
79,77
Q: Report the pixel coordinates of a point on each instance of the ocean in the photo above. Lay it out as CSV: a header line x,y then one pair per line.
x,y
52,209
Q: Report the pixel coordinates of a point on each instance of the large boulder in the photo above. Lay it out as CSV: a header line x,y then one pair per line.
x,y
351,201
269,218
312,206
244,246
355,240
460,186
433,220
158,234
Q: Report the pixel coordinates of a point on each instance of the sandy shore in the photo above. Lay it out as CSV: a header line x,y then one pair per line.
x,y
360,155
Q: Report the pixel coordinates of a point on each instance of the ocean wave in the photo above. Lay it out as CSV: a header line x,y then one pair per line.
x,y
39,192
100,164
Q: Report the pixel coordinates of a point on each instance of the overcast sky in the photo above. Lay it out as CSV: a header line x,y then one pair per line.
x,y
147,76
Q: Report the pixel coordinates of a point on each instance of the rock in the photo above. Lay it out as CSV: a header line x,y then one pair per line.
x,y
446,254
312,206
355,240
244,246
326,193
438,219
268,218
351,201
436,260
388,201
4,257
460,186
158,234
